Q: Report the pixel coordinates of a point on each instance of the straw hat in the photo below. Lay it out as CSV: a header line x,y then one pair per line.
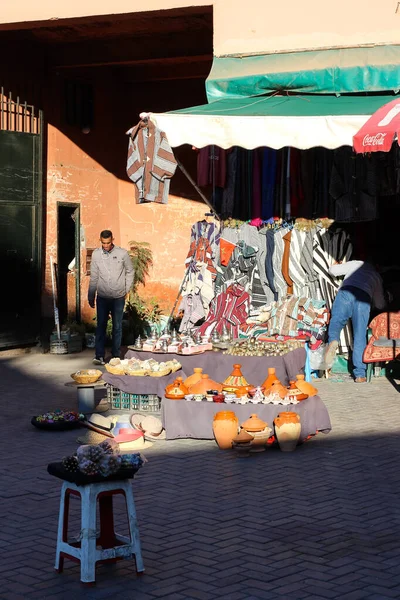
x,y
100,424
127,434
92,438
151,426
139,444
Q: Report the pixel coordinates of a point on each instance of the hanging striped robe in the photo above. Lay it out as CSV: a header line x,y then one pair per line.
x,y
307,262
330,247
296,271
279,281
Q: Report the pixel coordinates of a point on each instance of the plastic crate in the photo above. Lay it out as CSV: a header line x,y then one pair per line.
x,y
119,400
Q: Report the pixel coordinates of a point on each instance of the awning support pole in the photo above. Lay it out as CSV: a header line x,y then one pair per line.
x,y
196,187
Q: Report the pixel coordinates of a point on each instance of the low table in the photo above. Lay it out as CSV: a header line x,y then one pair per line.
x,y
86,401
183,419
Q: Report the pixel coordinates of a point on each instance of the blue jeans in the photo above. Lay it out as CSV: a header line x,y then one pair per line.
x,y
105,306
355,304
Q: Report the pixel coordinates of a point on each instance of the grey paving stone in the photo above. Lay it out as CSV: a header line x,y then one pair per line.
x,y
323,522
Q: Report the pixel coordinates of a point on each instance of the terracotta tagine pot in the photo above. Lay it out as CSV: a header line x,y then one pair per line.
x,y
277,388
242,443
242,391
271,379
236,378
295,392
225,428
305,387
176,390
204,384
287,430
254,423
194,377
259,430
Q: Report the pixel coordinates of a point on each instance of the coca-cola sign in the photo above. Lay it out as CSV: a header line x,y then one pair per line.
x,y
374,140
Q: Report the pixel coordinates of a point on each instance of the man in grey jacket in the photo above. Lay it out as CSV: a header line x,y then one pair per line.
x,y
111,277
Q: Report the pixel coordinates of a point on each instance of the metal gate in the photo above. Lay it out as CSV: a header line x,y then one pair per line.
x,y
20,221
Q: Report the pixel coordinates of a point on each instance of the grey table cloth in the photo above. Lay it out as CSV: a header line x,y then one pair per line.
x,y
183,419
217,365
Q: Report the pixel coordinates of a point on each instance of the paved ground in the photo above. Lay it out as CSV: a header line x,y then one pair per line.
x,y
320,523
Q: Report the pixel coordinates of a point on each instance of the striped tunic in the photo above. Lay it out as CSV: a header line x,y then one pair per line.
x,y
279,281
296,271
330,247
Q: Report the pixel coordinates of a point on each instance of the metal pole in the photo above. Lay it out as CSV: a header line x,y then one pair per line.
x,y
55,309
196,187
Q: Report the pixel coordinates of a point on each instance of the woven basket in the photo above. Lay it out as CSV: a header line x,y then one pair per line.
x,y
160,373
139,373
176,368
117,370
85,377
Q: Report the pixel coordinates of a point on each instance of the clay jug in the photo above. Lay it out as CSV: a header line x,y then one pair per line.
x,y
194,377
236,378
295,392
204,384
176,390
305,387
271,378
287,430
225,428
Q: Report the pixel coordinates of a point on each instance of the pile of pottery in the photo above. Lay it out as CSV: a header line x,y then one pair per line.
x,y
197,387
254,434
173,343
254,347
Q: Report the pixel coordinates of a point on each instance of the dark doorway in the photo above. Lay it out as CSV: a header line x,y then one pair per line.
x,y
68,266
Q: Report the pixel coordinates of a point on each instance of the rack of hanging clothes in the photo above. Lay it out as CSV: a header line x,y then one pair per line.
x,y
197,289
265,260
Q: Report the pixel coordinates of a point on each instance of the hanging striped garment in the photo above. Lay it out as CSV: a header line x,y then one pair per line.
x,y
330,247
307,262
296,271
279,281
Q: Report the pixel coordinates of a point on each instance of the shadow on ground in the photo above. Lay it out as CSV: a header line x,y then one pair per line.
x,y
322,522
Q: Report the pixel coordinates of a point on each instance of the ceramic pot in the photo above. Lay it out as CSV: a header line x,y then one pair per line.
x,y
287,430
243,450
176,390
253,423
225,428
218,398
305,387
278,389
271,379
194,377
204,384
243,437
295,392
236,378
242,391
261,437
253,390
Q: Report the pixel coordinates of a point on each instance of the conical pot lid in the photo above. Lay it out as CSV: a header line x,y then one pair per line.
x,y
254,423
243,437
305,386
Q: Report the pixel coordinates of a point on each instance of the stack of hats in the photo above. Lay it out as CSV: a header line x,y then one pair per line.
x,y
131,432
150,426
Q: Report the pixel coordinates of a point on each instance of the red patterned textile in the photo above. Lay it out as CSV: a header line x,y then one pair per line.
x,y
385,325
